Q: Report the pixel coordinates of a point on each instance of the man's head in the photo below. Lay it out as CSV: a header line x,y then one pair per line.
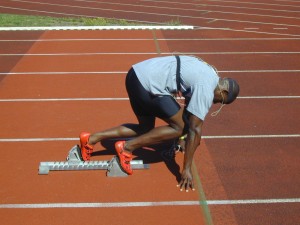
x,y
226,91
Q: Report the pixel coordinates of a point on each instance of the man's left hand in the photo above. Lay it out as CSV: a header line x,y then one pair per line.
x,y
186,181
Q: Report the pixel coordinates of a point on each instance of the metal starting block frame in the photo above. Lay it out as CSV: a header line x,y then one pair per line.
x,y
75,162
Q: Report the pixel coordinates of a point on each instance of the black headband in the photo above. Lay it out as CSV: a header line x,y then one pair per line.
x,y
233,90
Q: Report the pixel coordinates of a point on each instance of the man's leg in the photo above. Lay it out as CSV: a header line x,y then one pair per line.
x,y
87,140
173,130
146,123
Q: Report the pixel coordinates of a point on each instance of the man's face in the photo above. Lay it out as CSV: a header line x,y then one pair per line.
x,y
220,97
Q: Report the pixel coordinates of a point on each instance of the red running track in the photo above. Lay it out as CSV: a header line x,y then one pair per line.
x,y
42,77
259,168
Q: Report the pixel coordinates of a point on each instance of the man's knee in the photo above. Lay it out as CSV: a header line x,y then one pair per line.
x,y
139,128
177,123
144,129
179,131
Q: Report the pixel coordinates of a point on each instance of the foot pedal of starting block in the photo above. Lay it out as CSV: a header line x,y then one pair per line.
x,y
114,169
75,155
75,162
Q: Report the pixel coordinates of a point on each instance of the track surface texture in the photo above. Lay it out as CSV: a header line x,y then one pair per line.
x,y
55,84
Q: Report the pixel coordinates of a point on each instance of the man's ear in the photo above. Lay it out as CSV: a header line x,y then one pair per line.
x,y
225,91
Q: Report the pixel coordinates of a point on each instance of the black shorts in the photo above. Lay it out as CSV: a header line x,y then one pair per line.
x,y
144,103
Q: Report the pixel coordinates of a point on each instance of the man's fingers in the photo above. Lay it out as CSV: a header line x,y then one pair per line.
x,y
186,184
181,184
192,186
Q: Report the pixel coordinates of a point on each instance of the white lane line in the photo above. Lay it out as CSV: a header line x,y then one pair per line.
x,y
149,39
254,3
205,137
212,21
124,99
253,136
64,73
37,139
62,99
84,54
124,72
142,53
287,1
258,71
245,31
251,28
147,204
97,28
253,201
268,97
108,39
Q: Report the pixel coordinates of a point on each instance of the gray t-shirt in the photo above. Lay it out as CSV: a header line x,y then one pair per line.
x,y
198,80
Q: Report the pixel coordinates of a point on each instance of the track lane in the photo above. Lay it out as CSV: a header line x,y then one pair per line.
x,y
135,46
99,216
105,63
52,119
54,86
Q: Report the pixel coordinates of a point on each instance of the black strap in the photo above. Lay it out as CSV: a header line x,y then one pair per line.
x,y
178,73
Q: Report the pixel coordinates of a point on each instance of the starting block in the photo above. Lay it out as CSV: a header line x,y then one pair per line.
x,y
75,162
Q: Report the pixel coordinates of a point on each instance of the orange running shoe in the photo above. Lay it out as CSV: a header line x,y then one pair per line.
x,y
124,157
86,149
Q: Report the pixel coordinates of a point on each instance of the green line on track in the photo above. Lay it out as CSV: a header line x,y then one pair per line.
x,y
156,42
202,200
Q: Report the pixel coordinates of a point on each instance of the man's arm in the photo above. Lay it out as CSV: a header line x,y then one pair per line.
x,y
192,142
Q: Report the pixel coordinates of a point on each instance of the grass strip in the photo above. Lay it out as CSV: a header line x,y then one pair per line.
x,y
12,20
